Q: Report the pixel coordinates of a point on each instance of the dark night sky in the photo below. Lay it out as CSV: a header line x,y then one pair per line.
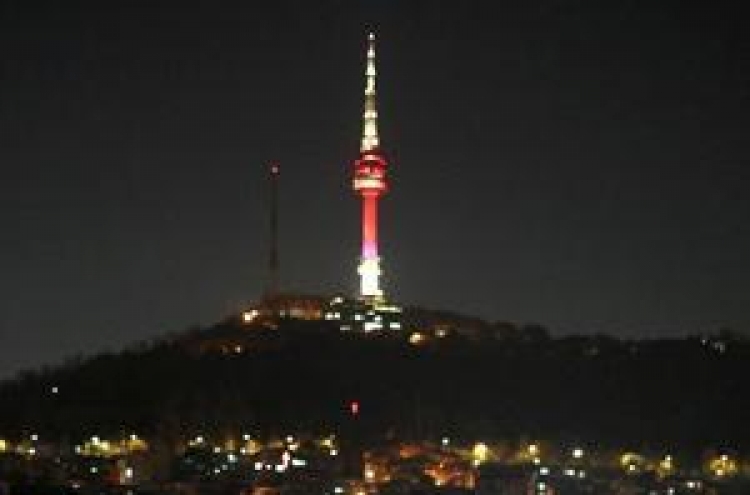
x,y
582,164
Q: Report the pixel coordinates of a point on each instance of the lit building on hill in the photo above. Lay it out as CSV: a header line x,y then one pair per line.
x,y
361,316
294,306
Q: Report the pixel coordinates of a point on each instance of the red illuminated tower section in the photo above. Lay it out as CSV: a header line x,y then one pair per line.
x,y
370,183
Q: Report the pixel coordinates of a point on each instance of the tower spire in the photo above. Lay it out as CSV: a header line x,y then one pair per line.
x,y
370,138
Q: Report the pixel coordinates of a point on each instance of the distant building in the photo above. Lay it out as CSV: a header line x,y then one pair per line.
x,y
294,306
362,316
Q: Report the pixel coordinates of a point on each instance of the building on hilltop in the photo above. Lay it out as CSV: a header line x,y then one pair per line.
x,y
286,305
361,316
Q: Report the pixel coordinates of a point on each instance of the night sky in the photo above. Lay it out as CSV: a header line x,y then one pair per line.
x,y
581,164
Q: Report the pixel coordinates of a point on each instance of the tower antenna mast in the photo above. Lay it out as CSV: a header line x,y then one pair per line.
x,y
273,252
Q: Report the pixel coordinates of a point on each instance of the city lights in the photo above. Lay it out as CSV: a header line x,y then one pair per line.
x,y
250,316
632,463
722,466
666,466
480,452
450,463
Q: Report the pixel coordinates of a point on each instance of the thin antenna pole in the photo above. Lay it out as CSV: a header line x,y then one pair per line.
x,y
273,254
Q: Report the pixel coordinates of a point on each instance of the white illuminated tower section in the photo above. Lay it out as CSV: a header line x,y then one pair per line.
x,y
370,184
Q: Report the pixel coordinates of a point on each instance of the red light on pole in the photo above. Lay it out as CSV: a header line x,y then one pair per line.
x,y
354,407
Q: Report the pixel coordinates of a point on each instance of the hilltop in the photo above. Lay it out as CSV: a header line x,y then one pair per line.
x,y
301,375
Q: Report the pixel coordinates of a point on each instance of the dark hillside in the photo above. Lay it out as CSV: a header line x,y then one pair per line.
x,y
680,393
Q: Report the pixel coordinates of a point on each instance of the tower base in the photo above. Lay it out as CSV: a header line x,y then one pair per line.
x,y
365,315
369,278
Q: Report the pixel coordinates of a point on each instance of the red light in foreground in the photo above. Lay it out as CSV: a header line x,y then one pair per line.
x,y
354,407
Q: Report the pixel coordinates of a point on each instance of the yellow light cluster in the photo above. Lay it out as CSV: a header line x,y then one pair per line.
x,y
97,447
666,466
376,472
722,466
250,316
251,447
632,462
197,441
480,452
328,442
531,452
135,444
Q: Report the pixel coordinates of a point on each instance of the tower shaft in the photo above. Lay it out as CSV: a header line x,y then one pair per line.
x,y
369,226
369,265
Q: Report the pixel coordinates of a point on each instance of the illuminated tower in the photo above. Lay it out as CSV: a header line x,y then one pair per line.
x,y
370,184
